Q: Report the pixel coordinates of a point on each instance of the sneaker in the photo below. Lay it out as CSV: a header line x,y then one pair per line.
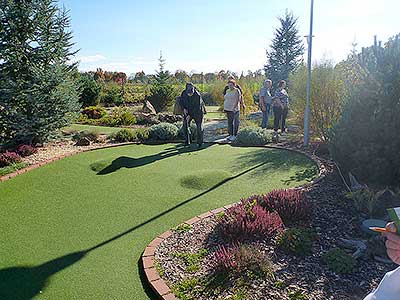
x,y
233,138
229,138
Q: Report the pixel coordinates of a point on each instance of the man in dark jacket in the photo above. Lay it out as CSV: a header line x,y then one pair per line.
x,y
193,109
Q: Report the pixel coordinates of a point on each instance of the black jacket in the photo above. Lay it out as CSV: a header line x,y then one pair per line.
x,y
194,104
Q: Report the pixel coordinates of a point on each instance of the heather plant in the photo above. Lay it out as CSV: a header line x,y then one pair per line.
x,y
297,241
247,220
26,150
291,205
8,158
242,259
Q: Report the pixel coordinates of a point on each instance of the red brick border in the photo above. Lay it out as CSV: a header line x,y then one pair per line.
x,y
154,279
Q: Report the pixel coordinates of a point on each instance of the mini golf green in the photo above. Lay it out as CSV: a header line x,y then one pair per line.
x,y
114,202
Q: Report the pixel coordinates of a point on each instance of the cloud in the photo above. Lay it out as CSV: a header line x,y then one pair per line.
x,y
90,58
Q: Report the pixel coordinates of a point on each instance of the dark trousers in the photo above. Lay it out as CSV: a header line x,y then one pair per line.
x,y
280,114
233,122
199,128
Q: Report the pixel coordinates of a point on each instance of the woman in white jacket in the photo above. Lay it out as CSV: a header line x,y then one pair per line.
x,y
389,288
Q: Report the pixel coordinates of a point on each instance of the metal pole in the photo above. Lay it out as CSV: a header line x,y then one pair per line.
x,y
307,111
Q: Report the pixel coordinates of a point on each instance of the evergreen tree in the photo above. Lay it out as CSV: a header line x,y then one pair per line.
x,y
286,50
162,93
38,92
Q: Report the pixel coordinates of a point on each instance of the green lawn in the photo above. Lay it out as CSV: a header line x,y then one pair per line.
x,y
99,129
115,201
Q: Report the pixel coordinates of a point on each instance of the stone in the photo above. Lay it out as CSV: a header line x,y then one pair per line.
x,y
148,108
293,129
82,142
387,199
255,116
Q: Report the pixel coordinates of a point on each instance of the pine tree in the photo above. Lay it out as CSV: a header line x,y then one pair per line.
x,y
38,92
286,50
162,93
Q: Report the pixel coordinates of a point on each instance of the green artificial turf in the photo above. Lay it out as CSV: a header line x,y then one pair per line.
x,y
99,129
76,228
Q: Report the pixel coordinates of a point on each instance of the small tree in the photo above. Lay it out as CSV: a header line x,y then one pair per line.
x,y
286,50
162,93
38,94
328,93
90,90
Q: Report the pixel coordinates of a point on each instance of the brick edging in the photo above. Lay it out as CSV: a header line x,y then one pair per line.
x,y
154,279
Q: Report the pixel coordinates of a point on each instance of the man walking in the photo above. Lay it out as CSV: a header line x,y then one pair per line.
x,y
193,109
265,102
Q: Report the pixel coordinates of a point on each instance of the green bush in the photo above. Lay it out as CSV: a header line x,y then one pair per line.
x,y
192,130
120,116
111,95
366,139
124,135
339,261
163,132
90,90
12,168
94,112
142,134
297,241
363,200
253,136
91,135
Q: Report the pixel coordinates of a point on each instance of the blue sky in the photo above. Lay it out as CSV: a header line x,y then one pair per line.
x,y
210,35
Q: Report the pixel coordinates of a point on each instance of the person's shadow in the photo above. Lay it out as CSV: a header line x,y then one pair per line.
x,y
24,283
129,162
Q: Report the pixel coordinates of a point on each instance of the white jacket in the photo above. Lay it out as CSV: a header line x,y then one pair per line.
x,y
389,287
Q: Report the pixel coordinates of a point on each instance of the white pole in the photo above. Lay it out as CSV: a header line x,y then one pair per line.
x,y
307,111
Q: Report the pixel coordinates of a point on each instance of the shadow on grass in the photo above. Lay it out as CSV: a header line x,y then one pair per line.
x,y
24,283
129,162
279,160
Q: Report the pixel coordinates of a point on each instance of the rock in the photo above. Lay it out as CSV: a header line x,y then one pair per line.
x,y
355,185
83,142
255,116
387,199
293,129
148,108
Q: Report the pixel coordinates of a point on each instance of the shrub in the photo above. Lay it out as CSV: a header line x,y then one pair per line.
x,y
297,241
339,261
91,135
12,168
291,205
242,259
26,150
192,130
142,134
253,136
94,112
90,90
8,158
366,139
249,220
124,135
328,87
111,95
163,132
363,199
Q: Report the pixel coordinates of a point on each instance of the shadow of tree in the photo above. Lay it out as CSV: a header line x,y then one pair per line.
x,y
24,283
129,162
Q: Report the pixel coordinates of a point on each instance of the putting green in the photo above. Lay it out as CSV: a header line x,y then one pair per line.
x,y
114,202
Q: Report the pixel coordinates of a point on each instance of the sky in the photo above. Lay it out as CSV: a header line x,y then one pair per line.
x,y
211,35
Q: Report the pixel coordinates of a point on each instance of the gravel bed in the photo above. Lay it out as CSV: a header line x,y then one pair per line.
x,y
55,149
333,218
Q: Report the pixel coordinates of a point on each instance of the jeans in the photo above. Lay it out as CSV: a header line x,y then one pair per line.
x,y
266,114
280,114
233,122
199,128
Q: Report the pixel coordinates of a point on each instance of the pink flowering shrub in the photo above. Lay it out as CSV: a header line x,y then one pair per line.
x,y
291,205
247,220
241,259
26,150
7,158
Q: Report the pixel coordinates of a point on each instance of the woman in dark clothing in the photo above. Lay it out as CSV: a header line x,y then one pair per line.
x,y
280,107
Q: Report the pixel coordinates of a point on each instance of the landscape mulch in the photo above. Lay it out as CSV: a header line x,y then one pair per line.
x,y
333,218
